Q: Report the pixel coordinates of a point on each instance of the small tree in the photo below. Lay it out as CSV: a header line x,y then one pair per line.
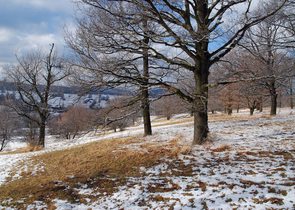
x,y
34,76
230,97
252,95
169,105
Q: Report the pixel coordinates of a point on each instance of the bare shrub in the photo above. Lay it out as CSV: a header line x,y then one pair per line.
x,y
76,120
169,106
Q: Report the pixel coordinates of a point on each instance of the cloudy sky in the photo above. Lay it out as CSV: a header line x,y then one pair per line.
x,y
29,24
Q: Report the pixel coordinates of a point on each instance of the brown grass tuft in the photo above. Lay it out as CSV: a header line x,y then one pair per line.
x,y
202,185
272,200
221,148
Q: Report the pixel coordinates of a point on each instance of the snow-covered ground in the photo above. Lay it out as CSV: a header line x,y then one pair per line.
x,y
248,163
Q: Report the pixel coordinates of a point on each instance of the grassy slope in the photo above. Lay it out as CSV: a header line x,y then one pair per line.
x,y
105,163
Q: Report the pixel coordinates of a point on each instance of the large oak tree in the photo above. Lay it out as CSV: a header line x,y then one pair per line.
x,y
187,38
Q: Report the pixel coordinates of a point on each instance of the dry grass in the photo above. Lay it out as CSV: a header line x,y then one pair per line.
x,y
28,148
211,118
221,148
97,164
186,120
272,200
225,117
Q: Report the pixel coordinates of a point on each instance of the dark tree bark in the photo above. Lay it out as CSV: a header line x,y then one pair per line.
x,y
145,91
42,129
261,104
273,100
146,112
291,93
229,110
252,110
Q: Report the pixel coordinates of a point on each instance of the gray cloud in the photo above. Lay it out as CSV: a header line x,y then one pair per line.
x,y
29,24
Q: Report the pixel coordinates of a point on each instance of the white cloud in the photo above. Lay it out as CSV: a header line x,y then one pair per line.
x,y
5,34
53,5
37,41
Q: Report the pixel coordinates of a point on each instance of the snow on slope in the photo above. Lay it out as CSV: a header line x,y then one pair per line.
x,y
255,169
255,172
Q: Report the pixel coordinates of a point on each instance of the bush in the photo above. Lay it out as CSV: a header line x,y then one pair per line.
x,y
71,123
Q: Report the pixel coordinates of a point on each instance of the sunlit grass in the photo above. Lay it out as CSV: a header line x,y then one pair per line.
x,y
94,162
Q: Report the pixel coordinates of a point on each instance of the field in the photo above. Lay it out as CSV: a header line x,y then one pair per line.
x,y
248,162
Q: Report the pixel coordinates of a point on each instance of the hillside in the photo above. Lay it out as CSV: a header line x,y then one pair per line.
x,y
247,163
65,96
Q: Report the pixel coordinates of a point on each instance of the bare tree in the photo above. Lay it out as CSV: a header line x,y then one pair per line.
x,y
287,15
230,97
268,42
113,51
252,95
169,105
34,76
182,42
247,90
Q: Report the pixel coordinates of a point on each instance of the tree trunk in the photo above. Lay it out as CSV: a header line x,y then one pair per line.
x,y
144,88
252,110
229,110
273,99
41,141
291,94
260,104
200,103
146,112
200,127
280,100
2,144
273,109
